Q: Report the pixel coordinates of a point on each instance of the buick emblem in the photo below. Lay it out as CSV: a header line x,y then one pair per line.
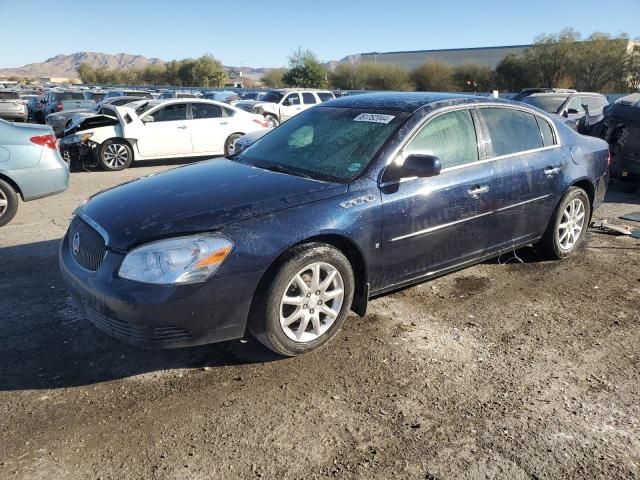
x,y
75,245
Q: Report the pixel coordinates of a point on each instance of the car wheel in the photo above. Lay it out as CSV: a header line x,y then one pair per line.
x,y
8,203
306,301
568,226
230,144
115,155
272,121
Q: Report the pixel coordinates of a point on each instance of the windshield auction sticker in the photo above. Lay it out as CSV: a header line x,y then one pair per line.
x,y
374,117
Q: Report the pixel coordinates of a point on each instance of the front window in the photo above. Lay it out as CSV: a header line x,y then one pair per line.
x,y
69,96
548,103
334,144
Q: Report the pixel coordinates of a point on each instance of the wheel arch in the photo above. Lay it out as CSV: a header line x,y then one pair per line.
x,y
587,185
344,245
13,184
131,142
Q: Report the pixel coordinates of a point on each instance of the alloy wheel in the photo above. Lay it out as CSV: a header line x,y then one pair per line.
x,y
311,302
571,224
115,155
4,203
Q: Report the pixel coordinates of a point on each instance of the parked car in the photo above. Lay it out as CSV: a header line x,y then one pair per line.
x,y
30,166
256,96
117,101
278,106
225,96
620,128
55,101
59,120
153,129
347,201
96,95
164,95
572,106
525,92
34,108
128,93
12,107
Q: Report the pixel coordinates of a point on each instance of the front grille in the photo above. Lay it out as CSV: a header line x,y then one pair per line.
x,y
124,330
90,248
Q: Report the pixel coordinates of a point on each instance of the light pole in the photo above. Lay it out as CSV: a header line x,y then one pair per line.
x,y
375,56
242,62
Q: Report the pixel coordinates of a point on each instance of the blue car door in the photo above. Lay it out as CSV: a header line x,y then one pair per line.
x,y
430,224
528,164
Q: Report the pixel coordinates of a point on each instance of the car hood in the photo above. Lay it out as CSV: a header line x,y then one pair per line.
x,y
201,197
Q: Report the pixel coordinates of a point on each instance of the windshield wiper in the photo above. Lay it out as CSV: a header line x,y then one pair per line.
x,y
276,167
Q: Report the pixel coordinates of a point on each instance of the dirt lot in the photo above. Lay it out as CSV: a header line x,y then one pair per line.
x,y
515,371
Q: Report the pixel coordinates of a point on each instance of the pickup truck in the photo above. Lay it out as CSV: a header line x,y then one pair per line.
x,y
59,101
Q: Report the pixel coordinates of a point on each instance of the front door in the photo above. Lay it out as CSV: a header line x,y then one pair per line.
x,y
430,224
290,106
168,134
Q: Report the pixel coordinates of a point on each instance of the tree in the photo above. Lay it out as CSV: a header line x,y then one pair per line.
x,y
553,56
87,73
208,71
473,77
273,77
346,77
306,71
599,61
379,76
433,77
514,73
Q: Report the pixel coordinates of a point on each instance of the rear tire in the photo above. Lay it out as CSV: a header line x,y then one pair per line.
x,y
114,155
568,226
8,203
304,304
230,144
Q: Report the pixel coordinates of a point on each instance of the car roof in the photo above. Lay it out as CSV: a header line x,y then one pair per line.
x,y
564,94
408,102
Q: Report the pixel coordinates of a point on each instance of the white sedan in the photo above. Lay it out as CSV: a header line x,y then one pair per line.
x,y
155,129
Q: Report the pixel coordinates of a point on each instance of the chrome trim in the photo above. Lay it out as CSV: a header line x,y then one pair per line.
x,y
456,222
94,225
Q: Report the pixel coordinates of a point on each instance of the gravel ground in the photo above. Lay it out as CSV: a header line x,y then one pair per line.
x,y
503,370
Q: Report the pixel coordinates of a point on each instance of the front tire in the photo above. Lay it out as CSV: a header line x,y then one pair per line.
x,y
568,226
272,121
114,155
230,144
306,302
8,203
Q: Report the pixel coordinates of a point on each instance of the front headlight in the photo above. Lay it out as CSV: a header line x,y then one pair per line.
x,y
181,260
81,138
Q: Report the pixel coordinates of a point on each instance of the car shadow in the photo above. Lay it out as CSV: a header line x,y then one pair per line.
x,y
46,343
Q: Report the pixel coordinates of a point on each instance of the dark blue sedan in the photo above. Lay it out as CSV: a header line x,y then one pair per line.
x,y
347,201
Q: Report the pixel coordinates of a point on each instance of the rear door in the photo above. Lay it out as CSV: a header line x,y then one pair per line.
x,y
210,127
168,134
528,162
308,100
430,224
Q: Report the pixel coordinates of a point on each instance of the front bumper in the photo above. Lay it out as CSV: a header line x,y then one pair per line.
x,y
158,316
79,152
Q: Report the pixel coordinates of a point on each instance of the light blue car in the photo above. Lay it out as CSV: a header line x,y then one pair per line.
x,y
30,166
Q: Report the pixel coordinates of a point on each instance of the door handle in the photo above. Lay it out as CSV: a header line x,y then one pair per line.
x,y
478,190
223,123
551,171
182,127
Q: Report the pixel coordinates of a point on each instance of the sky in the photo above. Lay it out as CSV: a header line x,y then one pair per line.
x,y
263,34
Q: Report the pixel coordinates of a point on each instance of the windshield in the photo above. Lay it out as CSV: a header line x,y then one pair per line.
x,y
69,96
144,107
9,96
272,97
334,144
548,103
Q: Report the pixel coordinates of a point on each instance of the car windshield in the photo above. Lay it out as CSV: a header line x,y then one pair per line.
x,y
9,96
272,97
332,144
144,107
69,96
548,103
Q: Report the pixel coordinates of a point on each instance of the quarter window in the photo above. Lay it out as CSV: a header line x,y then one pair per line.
x,y
451,137
511,131
308,98
546,131
593,103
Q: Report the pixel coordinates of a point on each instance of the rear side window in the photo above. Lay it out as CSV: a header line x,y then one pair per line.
x,y
546,131
308,98
451,137
9,96
325,96
511,131
204,110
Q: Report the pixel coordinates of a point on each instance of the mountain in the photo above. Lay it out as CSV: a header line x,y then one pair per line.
x,y
67,65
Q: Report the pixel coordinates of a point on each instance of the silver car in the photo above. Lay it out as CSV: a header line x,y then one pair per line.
x,y
12,107
58,120
30,166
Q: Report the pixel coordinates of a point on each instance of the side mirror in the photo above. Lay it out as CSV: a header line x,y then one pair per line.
x,y
572,111
416,165
148,119
287,103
